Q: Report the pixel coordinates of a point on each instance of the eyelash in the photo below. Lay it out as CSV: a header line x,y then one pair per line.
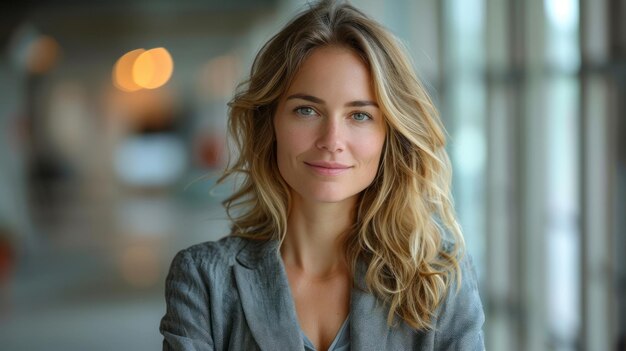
x,y
298,110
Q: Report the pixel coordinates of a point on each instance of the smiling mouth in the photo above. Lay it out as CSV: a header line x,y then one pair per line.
x,y
328,169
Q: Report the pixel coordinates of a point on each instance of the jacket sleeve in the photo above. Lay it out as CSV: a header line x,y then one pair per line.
x,y
186,324
460,320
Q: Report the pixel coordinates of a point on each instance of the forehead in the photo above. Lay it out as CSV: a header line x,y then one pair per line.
x,y
333,71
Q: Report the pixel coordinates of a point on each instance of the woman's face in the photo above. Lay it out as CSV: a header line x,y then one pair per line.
x,y
329,129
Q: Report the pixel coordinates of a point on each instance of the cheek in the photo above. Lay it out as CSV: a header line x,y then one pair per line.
x,y
292,140
372,151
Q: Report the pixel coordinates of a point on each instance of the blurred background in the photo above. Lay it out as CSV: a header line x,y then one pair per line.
x,y
112,134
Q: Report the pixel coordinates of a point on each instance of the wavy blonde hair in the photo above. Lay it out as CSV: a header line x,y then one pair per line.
x,y
402,217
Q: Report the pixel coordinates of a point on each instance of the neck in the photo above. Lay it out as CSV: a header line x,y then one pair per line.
x,y
314,240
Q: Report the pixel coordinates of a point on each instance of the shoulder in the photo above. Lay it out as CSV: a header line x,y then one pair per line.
x,y
460,318
467,281
211,254
466,287
225,253
218,250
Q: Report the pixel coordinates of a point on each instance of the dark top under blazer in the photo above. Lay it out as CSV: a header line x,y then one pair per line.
x,y
233,294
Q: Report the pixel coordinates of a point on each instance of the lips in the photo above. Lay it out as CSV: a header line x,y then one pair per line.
x,y
328,168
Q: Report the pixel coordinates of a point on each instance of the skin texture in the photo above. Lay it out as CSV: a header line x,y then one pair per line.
x,y
329,135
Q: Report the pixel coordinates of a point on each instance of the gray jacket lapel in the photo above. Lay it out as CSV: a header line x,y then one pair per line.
x,y
266,298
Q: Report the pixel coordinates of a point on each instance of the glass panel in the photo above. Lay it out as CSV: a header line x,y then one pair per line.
x,y
464,112
563,250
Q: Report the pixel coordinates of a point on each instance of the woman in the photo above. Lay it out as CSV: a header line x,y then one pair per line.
x,y
345,235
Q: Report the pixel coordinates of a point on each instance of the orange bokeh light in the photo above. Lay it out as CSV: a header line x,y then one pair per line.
x,y
153,68
147,69
123,71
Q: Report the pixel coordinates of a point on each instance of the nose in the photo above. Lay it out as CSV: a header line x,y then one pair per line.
x,y
331,136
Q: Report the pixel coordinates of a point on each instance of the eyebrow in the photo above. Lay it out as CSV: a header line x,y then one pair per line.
x,y
316,100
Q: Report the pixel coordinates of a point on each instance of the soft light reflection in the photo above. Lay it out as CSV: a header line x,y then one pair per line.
x,y
562,13
123,71
43,54
150,160
469,151
153,68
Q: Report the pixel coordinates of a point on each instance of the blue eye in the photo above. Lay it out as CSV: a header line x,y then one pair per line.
x,y
305,111
360,116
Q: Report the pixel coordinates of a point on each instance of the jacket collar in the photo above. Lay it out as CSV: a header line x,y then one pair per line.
x,y
255,252
271,314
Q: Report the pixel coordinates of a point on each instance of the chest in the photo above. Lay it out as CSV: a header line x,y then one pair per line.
x,y
321,306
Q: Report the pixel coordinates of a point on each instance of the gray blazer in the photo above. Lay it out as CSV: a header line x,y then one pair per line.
x,y
233,294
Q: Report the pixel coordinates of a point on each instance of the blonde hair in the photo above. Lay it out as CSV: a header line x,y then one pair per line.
x,y
402,217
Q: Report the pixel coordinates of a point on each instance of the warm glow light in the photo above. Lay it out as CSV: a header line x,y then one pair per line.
x,y
153,68
139,69
123,71
139,266
219,76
